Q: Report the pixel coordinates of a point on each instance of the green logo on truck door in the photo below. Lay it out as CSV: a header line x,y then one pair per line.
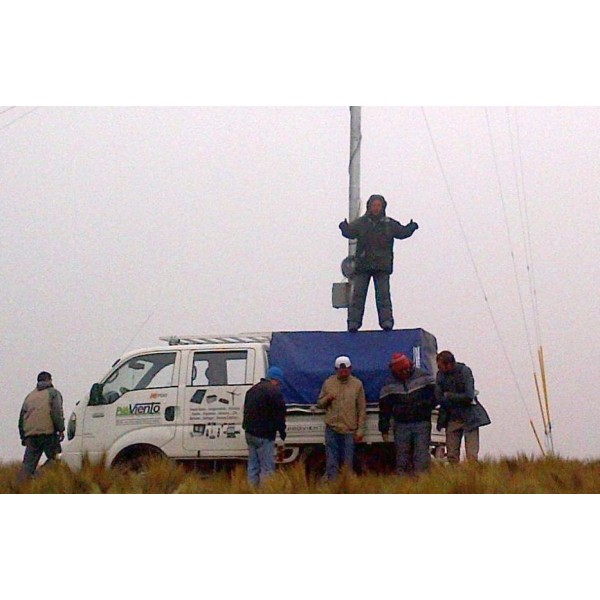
x,y
141,408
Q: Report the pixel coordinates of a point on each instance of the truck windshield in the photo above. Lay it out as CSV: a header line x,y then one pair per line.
x,y
139,373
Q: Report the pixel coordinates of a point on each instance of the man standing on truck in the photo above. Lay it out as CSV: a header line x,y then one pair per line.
x,y
343,398
41,424
409,397
264,416
461,414
375,233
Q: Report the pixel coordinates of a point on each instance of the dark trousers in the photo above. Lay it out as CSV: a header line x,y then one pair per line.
x,y
412,447
35,446
383,300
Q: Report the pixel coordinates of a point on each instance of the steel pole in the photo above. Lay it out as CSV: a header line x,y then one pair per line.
x,y
354,172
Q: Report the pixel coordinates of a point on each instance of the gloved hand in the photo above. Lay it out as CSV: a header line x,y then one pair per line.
x,y
344,226
414,226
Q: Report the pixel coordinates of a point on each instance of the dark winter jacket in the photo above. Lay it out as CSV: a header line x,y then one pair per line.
x,y
461,403
407,401
264,411
375,245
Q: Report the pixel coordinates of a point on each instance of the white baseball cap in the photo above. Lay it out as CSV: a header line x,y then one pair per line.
x,y
342,362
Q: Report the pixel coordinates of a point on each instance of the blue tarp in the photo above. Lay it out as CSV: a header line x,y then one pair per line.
x,y
307,358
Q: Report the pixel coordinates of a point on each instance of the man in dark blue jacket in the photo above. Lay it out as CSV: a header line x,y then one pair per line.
x,y
264,416
461,414
375,234
409,397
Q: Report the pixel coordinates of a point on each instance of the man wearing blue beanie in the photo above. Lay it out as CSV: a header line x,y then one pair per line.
x,y
264,416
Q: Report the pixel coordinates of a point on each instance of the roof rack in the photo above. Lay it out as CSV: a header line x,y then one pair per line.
x,y
237,338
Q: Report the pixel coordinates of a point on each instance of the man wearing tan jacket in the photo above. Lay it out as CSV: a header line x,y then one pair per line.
x,y
343,398
41,424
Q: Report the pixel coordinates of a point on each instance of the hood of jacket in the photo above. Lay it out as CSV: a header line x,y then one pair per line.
x,y
370,203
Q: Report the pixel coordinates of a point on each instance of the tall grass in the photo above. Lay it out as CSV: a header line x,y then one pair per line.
x,y
520,475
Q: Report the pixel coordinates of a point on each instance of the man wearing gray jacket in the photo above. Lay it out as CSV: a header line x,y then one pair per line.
x,y
41,424
461,413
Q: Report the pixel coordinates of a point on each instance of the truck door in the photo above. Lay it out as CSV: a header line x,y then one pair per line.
x,y
140,393
214,401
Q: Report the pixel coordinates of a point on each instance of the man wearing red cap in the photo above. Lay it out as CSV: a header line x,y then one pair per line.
x,y
409,397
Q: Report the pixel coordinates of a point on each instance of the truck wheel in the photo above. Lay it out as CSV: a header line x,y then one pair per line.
x,y
439,452
137,458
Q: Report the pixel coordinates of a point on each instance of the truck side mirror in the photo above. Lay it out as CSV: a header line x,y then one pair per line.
x,y
96,397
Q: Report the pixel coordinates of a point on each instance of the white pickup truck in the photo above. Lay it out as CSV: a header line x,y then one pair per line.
x,y
185,399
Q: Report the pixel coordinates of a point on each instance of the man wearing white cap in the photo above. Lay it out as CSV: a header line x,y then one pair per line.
x,y
343,398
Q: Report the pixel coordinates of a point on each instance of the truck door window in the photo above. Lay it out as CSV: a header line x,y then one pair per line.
x,y
140,373
219,368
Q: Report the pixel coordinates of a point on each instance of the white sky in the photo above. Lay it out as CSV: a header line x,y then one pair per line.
x,y
120,225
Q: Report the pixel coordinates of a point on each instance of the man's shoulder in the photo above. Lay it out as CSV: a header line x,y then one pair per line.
x,y
260,383
331,381
423,377
360,220
29,396
390,386
356,380
257,388
463,368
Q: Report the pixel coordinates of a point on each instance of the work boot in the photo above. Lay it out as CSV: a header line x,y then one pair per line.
x,y
353,327
387,325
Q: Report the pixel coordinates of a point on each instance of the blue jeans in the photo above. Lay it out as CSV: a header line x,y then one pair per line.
x,y
339,451
412,442
261,458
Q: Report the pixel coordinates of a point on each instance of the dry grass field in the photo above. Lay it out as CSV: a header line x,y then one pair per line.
x,y
520,475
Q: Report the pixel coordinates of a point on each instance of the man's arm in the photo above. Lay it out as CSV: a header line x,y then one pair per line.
x,y
401,232
361,407
385,413
438,391
431,395
325,397
22,423
56,411
349,230
280,416
469,393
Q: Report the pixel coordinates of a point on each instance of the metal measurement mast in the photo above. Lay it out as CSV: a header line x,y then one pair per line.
x,y
342,291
